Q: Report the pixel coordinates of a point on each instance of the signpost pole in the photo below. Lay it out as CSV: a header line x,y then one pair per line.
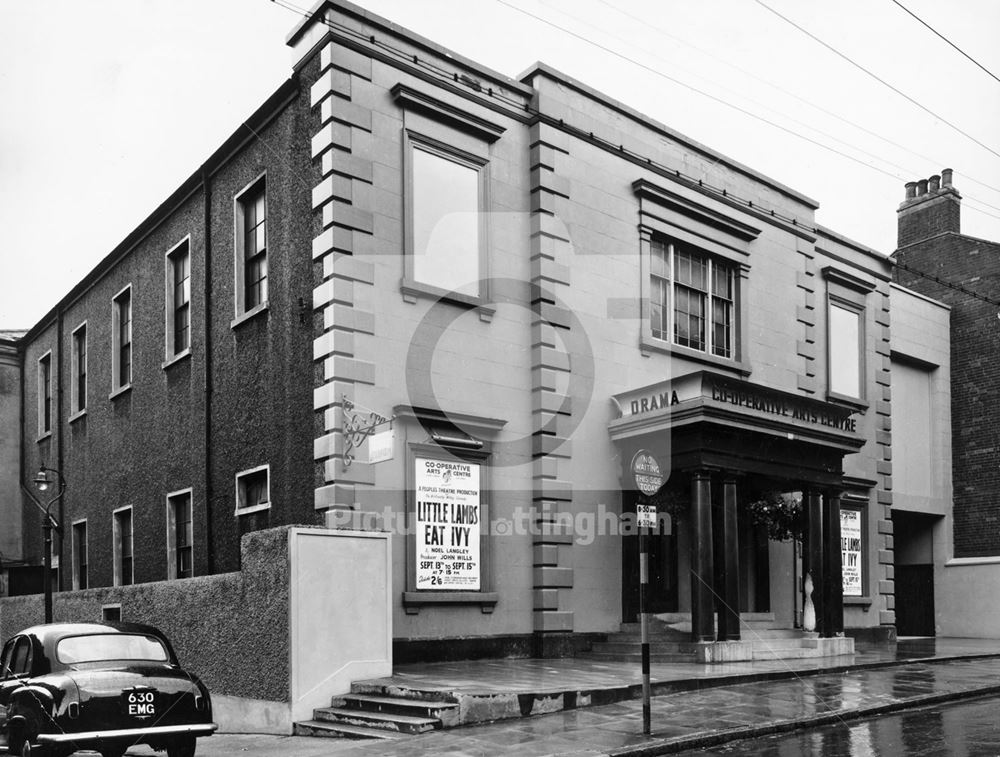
x,y
644,624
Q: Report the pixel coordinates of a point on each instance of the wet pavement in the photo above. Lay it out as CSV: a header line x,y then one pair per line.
x,y
725,703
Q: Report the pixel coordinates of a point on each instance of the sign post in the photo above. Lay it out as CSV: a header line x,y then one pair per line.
x,y
648,480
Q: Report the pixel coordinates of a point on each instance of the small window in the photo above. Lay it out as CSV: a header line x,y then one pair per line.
x,y
45,394
253,490
251,247
178,299
446,206
78,386
121,340
123,567
80,555
692,299
180,535
845,349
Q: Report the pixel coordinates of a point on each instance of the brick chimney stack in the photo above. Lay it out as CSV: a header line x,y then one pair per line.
x,y
930,207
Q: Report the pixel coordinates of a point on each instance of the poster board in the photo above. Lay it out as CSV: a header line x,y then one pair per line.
x,y
447,519
851,552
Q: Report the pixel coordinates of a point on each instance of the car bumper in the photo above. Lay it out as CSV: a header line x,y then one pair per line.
x,y
138,734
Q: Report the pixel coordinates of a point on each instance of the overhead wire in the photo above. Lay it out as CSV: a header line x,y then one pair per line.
x,y
826,111
956,47
876,77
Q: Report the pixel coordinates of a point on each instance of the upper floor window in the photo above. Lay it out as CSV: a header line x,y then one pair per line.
x,y
253,490
78,382
45,394
845,349
251,247
846,302
80,555
178,299
692,299
180,535
446,218
122,533
121,339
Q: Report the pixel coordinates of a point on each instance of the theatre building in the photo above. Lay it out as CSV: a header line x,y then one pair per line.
x,y
516,312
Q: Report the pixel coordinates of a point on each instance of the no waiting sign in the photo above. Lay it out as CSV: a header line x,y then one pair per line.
x,y
646,472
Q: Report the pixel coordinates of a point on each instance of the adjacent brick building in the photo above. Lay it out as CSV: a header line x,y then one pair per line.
x,y
524,287
936,259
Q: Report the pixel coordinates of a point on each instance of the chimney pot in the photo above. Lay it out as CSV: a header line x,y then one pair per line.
x,y
921,187
911,189
946,177
934,183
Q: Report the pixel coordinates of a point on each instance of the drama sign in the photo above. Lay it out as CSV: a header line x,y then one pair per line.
x,y
447,525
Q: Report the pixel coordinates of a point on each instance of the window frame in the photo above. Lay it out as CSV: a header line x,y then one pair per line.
x,y
172,500
240,204
849,293
738,360
410,286
78,404
45,395
240,494
180,250
118,386
118,544
81,571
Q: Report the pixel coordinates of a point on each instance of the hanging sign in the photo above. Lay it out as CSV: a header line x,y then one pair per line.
x,y
645,516
850,552
380,446
646,471
447,522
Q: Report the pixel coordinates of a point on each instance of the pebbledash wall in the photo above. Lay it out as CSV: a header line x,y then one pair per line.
x,y
524,367
513,364
935,258
189,421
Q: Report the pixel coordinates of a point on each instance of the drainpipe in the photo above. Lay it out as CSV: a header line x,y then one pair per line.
x,y
207,279
59,428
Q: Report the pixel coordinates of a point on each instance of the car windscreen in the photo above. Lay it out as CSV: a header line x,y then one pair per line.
x,y
110,646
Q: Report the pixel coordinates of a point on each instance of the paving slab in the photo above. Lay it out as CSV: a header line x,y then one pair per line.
x,y
747,700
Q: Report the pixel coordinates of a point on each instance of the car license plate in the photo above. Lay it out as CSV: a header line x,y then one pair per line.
x,y
139,703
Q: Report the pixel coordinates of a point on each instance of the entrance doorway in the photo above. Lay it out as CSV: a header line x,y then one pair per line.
x,y
914,572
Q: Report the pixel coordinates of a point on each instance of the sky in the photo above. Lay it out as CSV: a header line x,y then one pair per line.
x,y
106,106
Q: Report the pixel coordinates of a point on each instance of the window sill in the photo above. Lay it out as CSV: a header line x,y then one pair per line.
x,y
649,344
858,601
42,437
77,415
120,391
248,315
415,290
254,509
851,402
414,600
173,360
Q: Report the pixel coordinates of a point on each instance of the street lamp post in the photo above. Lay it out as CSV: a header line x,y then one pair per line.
x,y
43,484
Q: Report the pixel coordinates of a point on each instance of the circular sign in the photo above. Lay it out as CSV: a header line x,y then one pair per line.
x,y
646,471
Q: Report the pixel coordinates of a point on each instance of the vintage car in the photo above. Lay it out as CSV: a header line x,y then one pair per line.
x,y
98,686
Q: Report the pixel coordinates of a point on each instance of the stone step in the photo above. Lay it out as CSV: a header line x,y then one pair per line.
x,y
637,657
631,645
387,721
371,703
324,728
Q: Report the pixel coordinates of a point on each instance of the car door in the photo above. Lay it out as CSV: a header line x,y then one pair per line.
x,y
15,666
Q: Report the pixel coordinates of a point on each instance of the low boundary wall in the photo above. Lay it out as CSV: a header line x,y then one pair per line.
x,y
308,612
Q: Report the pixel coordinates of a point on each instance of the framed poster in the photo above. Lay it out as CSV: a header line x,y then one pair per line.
x,y
851,559
447,520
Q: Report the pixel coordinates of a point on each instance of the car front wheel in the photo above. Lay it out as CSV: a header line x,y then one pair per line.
x,y
182,748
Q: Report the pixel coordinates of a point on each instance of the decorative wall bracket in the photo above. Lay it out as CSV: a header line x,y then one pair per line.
x,y
359,423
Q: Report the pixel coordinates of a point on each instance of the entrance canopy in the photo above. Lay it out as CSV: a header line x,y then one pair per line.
x,y
707,419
